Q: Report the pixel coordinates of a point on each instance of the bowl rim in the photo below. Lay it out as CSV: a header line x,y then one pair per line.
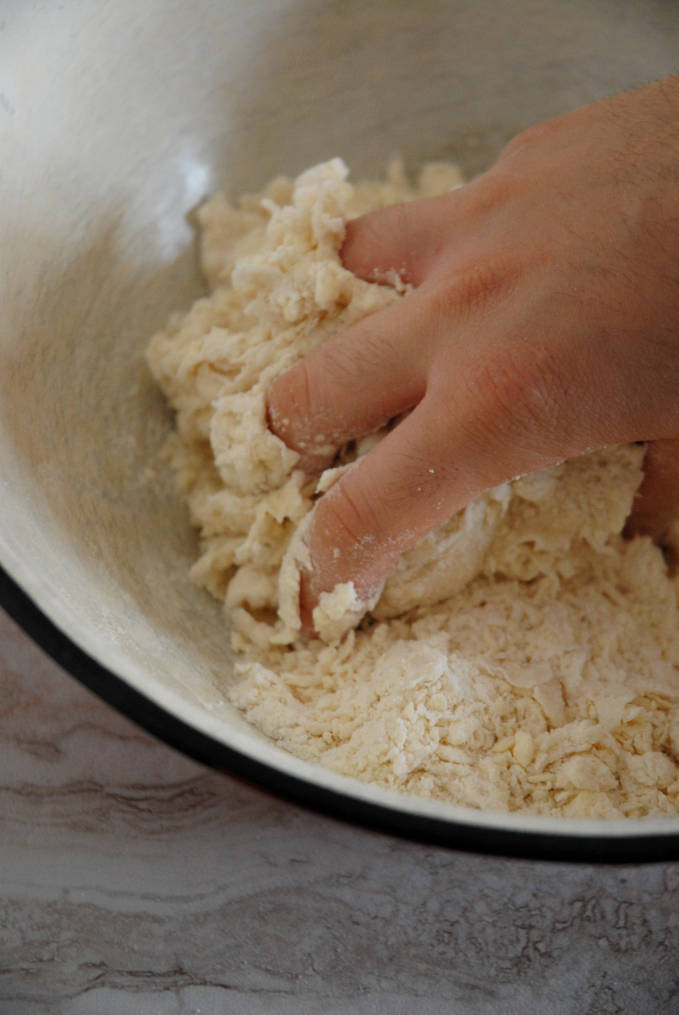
x,y
528,844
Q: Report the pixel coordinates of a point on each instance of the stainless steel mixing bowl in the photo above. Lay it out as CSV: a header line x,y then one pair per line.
x,y
116,119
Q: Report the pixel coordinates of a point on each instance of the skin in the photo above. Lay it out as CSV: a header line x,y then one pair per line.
x,y
543,322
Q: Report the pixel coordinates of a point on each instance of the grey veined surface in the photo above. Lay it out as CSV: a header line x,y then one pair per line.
x,y
122,120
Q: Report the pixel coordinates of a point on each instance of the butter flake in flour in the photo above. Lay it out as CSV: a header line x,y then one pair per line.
x,y
523,657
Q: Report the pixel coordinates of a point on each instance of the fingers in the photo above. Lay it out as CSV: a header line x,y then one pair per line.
x,y
351,385
366,521
415,479
657,502
377,369
405,238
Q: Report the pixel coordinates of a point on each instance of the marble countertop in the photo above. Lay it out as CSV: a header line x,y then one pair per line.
x,y
135,882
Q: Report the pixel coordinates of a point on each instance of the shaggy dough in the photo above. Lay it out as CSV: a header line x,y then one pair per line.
x,y
522,657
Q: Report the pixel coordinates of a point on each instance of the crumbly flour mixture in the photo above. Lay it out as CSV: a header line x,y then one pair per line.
x,y
524,657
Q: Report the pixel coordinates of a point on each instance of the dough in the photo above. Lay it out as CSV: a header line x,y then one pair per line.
x,y
523,657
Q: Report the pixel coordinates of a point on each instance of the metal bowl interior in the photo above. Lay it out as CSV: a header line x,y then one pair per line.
x,y
123,118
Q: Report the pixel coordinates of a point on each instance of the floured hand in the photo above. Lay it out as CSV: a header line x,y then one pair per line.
x,y
543,321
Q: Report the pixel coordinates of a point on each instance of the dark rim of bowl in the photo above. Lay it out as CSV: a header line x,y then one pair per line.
x,y
591,849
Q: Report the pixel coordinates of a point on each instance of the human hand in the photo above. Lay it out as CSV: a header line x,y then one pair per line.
x,y
543,322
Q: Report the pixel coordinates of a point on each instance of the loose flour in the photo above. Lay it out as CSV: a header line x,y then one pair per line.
x,y
523,657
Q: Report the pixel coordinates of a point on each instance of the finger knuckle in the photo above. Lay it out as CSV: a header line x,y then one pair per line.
x,y
471,289
361,240
374,244
353,514
484,195
527,139
290,405
519,398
